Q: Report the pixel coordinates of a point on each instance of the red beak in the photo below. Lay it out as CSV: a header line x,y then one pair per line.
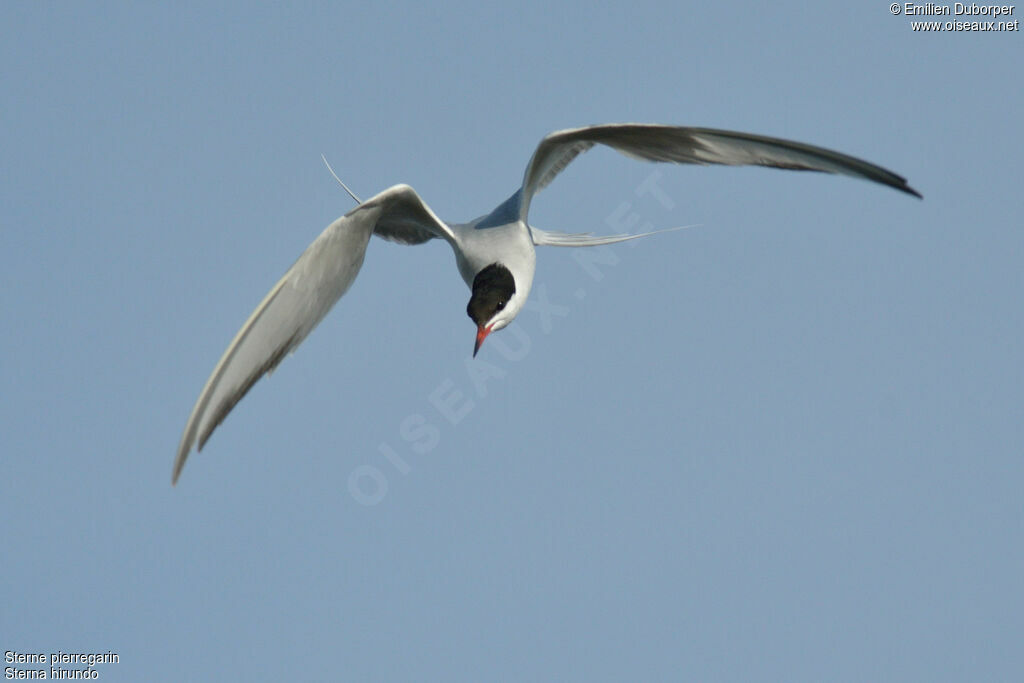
x,y
481,334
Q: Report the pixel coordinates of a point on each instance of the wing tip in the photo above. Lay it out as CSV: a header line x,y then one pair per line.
x,y
900,183
184,450
911,191
179,465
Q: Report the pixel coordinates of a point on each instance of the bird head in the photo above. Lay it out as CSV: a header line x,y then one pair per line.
x,y
493,304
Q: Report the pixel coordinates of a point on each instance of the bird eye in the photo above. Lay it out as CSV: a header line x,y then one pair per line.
x,y
501,305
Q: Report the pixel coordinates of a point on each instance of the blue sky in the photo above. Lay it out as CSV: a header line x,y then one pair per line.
x,y
782,445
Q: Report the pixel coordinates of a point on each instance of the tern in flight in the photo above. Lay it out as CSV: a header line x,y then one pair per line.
x,y
494,253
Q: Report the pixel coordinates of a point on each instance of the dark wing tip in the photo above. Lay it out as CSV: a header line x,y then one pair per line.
x,y
900,183
909,190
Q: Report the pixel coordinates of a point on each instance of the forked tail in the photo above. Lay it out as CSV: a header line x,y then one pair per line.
x,y
350,193
553,238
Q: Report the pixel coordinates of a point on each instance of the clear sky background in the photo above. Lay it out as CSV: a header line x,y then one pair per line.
x,y
783,445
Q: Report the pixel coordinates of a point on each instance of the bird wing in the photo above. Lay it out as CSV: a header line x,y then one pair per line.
x,y
301,299
652,142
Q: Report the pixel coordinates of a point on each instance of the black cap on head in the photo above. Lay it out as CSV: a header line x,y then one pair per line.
x,y
492,288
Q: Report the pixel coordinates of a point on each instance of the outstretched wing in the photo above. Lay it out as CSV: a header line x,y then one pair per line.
x,y
652,142
301,299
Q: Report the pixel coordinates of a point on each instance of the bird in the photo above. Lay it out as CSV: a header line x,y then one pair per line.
x,y
495,253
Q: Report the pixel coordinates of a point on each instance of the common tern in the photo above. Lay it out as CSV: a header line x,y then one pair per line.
x,y
494,253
